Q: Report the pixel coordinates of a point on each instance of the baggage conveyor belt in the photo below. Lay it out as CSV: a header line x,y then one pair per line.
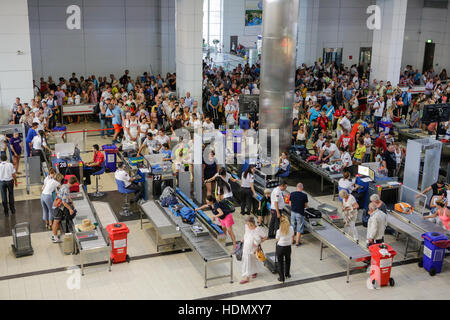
x,y
333,238
417,220
408,229
85,210
166,231
206,246
330,236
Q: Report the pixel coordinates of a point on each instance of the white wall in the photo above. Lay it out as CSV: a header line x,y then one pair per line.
x,y
423,24
115,35
342,24
234,25
15,70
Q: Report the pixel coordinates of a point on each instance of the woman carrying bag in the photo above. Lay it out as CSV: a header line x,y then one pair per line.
x,y
253,237
283,250
224,215
350,212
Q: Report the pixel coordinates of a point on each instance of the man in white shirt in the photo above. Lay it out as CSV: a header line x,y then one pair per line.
x,y
8,180
378,113
376,226
107,94
345,122
162,138
255,89
153,145
276,204
122,175
208,125
189,101
331,152
229,111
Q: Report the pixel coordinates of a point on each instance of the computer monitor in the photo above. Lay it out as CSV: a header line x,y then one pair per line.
x,y
372,174
364,171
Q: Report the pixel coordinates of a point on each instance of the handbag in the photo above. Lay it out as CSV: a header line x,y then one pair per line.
x,y
57,203
260,254
238,251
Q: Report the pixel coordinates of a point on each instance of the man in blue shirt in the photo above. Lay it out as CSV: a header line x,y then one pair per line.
x,y
115,114
314,113
213,104
348,93
31,134
329,110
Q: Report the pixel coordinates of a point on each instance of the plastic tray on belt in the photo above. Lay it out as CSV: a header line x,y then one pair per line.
x,y
327,209
331,214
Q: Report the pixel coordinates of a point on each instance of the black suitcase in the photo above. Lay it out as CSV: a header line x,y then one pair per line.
x,y
312,213
271,262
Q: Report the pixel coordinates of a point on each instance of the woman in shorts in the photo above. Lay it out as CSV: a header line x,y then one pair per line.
x,y
223,214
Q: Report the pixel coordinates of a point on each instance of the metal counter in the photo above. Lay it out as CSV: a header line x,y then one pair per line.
x,y
409,230
332,237
85,210
324,174
418,221
164,228
206,246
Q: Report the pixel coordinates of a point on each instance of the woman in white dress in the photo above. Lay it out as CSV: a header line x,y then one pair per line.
x,y
253,237
350,212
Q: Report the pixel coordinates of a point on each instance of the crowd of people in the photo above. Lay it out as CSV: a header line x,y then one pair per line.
x,y
336,115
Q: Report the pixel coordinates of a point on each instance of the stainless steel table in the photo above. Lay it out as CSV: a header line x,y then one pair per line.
x,y
207,247
418,221
166,230
85,210
324,174
409,230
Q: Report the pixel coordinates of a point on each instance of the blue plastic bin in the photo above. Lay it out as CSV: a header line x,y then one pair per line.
x,y
434,247
385,126
111,157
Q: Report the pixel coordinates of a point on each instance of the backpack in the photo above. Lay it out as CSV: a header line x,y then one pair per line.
x,y
227,206
97,108
187,215
168,197
312,158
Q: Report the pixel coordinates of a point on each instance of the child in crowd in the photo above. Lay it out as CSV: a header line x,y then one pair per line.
x,y
263,210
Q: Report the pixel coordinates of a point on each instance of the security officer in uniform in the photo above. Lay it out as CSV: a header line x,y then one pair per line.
x,y
8,180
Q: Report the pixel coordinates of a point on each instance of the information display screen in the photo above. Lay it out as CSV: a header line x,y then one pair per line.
x,y
364,171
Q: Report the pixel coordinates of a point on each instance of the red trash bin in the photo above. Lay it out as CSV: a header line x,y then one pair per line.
x,y
118,233
381,264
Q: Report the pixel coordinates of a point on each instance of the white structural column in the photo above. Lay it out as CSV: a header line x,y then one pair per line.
x,y
167,36
387,44
308,25
16,76
189,25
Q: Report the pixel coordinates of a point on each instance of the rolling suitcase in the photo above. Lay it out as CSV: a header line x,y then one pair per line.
x,y
271,262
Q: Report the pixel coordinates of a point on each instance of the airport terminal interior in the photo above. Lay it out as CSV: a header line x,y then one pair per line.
x,y
224,149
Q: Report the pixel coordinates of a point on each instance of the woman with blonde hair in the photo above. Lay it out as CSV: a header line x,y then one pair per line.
x,y
350,212
253,237
283,250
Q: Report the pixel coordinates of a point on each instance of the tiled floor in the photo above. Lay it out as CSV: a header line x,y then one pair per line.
x,y
180,275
